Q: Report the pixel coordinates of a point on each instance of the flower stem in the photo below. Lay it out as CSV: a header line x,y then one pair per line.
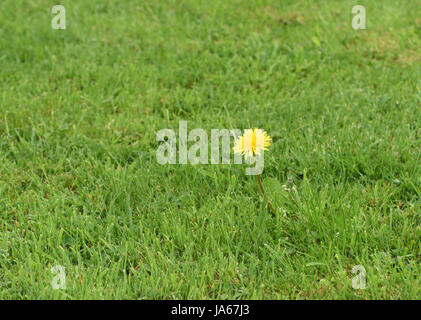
x,y
264,195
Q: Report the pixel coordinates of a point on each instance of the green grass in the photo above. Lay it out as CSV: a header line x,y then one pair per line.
x,y
80,185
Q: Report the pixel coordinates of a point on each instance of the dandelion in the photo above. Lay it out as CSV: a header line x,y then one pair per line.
x,y
252,143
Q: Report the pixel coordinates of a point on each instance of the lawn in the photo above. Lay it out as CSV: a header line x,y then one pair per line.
x,y
81,188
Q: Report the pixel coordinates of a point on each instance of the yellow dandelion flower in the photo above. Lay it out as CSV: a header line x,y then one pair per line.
x,y
252,142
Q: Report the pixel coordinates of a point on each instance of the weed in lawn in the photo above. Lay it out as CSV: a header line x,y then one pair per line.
x,y
80,186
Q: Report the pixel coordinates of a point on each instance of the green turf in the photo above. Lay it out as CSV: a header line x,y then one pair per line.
x,y
80,185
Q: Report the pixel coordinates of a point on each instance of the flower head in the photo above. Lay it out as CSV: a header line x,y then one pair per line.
x,y
252,142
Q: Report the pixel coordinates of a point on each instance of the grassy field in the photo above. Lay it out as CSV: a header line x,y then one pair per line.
x,y
80,185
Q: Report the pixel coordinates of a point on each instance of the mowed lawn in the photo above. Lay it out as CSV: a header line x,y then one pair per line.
x,y
80,186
